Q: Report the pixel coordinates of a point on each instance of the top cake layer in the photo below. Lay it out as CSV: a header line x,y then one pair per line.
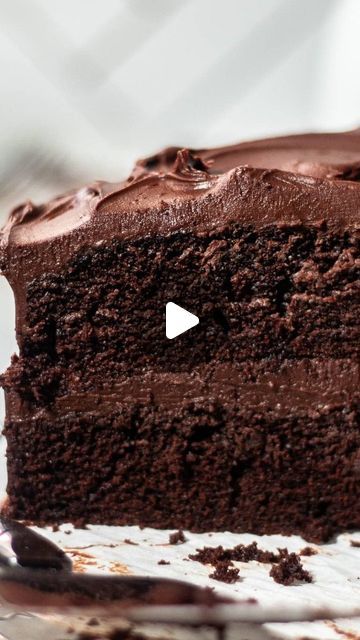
x,y
311,178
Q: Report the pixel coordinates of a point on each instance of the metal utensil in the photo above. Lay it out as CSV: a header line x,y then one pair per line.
x,y
22,547
147,599
36,576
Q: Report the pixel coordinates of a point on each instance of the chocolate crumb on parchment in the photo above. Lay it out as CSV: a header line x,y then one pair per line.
x,y
128,541
289,570
308,551
178,537
225,572
162,562
355,543
93,622
286,567
240,553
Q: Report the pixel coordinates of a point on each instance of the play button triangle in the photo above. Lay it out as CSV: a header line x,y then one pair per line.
x,y
178,320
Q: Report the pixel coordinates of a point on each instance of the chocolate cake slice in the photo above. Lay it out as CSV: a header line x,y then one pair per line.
x,y
250,421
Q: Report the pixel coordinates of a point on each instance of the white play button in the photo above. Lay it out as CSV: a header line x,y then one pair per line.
x,y
178,320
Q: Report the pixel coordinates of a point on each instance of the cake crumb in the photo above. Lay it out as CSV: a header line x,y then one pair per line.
x,y
93,622
178,537
80,523
286,567
225,572
308,551
247,553
55,528
289,570
209,555
128,541
239,553
355,543
162,562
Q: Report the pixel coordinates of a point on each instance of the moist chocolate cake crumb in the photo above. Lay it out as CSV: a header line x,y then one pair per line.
x,y
128,541
225,572
55,527
239,553
163,562
246,553
177,537
209,555
308,551
355,543
286,567
93,622
289,570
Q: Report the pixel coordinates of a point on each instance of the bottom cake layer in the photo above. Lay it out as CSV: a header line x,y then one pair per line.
x,y
245,461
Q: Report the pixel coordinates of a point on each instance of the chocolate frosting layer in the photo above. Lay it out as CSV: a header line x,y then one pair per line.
x,y
304,386
304,178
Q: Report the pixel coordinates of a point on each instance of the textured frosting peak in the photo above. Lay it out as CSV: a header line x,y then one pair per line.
x,y
177,161
188,165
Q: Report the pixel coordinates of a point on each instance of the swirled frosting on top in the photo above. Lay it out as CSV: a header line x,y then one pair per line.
x,y
308,178
334,156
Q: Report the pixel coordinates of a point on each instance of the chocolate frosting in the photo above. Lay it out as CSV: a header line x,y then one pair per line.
x,y
300,386
312,178
334,156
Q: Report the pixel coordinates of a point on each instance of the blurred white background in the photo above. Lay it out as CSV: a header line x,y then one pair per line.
x,y
87,86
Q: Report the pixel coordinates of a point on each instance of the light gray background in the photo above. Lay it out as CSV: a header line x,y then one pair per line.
x,y
87,86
